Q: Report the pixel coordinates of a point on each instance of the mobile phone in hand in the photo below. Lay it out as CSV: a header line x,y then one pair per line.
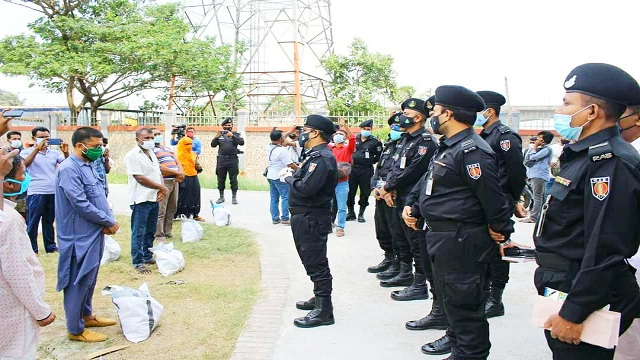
x,y
55,141
13,113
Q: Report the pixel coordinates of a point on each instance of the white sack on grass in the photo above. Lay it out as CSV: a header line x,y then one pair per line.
x,y
111,250
191,230
221,216
138,312
169,260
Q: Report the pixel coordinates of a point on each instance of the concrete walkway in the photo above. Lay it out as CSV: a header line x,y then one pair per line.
x,y
369,324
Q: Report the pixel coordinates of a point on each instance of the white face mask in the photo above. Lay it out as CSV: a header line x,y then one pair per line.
x,y
39,141
530,146
147,144
16,144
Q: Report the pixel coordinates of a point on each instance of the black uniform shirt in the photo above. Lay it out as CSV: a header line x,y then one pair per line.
x,y
464,185
384,164
592,217
367,152
410,161
508,146
228,146
313,184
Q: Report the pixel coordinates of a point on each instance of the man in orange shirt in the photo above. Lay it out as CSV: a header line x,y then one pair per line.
x,y
344,145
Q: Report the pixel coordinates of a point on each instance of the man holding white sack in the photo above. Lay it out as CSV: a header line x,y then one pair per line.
x,y
589,224
83,218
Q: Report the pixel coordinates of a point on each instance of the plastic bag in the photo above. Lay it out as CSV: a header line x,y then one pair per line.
x,y
221,216
169,260
111,250
138,312
191,230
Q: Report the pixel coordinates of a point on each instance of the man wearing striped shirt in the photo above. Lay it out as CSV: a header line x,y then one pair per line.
x,y
172,175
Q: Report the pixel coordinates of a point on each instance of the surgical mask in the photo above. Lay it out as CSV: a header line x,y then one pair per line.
x,y
395,135
16,144
92,154
562,124
531,146
158,139
39,141
147,144
480,119
338,139
24,185
365,133
303,139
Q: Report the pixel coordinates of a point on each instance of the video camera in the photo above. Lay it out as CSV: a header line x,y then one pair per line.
x,y
179,131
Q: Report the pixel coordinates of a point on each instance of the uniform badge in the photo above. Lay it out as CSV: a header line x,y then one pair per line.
x,y
412,103
474,171
505,145
429,105
600,187
422,150
569,83
312,167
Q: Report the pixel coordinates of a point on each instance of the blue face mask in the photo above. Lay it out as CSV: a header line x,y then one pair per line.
x,y
24,185
480,119
158,139
562,124
338,138
395,135
365,133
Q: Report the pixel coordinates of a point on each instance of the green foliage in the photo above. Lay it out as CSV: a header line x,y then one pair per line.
x,y
117,105
10,99
402,93
149,106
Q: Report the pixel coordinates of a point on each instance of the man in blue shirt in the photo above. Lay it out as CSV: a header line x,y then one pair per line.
x,y
84,218
102,166
538,162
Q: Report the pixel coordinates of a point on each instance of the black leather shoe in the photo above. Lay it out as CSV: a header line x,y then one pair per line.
x,y
383,265
321,315
220,200
494,306
436,320
404,277
391,272
307,304
351,214
439,347
234,201
413,292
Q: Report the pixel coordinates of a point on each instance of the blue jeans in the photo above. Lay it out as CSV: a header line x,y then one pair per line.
x,y
279,190
144,220
41,206
342,192
548,186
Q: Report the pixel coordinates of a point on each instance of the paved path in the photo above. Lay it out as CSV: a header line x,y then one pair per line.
x,y
369,325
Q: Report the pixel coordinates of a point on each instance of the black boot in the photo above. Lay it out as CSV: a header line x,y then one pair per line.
x,y
391,272
322,314
436,319
404,277
494,306
361,214
418,290
234,199
221,199
384,264
307,304
351,213
438,347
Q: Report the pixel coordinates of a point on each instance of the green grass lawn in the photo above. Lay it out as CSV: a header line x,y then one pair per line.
x,y
209,182
202,318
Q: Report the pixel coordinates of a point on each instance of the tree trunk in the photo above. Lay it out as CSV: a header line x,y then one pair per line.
x,y
73,110
94,114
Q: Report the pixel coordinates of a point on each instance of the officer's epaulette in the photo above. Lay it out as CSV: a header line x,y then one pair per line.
x,y
426,136
504,129
468,145
602,151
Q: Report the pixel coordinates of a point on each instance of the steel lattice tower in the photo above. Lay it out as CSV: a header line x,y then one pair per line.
x,y
284,40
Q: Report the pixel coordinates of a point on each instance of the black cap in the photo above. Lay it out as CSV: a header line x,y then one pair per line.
x,y
227,121
459,97
604,81
321,123
429,103
395,118
414,104
492,98
367,123
533,138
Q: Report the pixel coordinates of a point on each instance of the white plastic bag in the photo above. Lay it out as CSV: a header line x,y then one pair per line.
x,y
191,230
111,250
221,216
138,312
169,260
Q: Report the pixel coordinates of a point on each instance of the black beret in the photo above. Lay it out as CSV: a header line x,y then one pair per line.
x,y
604,81
367,123
492,98
395,118
227,121
459,97
414,104
429,103
321,123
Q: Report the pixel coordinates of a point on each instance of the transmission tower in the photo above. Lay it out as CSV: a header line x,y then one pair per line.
x,y
284,40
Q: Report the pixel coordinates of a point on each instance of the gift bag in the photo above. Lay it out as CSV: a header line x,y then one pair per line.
x,y
191,230
221,216
169,260
111,250
138,312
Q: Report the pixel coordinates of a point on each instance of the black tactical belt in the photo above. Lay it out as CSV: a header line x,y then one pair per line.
x,y
362,165
232,155
553,261
449,225
297,210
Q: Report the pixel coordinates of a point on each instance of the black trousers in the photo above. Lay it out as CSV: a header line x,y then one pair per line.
x,y
460,259
360,177
310,237
227,164
383,218
498,271
409,241
624,298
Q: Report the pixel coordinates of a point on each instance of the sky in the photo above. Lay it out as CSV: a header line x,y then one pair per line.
x,y
535,44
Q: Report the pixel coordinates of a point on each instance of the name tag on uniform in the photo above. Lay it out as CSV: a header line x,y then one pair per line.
x,y
429,186
403,162
366,154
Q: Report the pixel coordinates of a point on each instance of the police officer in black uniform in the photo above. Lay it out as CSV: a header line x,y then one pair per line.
x,y
228,142
589,225
507,145
411,161
385,215
458,197
312,188
367,153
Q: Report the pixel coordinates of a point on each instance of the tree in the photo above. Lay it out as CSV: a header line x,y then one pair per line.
x,y
361,81
10,99
109,49
117,105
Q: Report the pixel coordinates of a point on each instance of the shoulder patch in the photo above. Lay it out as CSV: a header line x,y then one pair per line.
x,y
312,167
504,129
468,145
422,150
505,145
600,187
602,151
474,171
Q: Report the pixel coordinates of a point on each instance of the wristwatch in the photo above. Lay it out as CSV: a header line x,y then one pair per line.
x,y
505,243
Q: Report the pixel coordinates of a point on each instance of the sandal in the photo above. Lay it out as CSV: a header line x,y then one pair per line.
x,y
143,270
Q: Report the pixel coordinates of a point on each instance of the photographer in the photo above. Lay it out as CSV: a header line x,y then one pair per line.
x,y
228,141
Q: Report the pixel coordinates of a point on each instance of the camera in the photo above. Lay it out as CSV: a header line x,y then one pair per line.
x,y
179,131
